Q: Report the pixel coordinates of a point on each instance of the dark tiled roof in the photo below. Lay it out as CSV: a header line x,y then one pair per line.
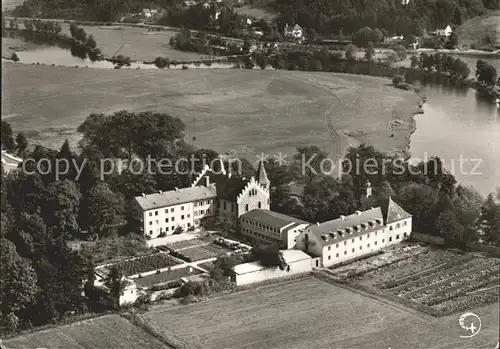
x,y
228,188
175,197
262,175
273,218
348,222
393,212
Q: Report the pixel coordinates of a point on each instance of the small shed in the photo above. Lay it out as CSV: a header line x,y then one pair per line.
x,y
297,262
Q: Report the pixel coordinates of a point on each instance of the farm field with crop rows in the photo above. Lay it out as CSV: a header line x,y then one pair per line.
x,y
445,280
145,264
103,332
310,313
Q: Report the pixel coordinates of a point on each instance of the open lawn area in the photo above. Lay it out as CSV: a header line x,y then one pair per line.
x,y
241,110
135,42
474,30
309,313
104,332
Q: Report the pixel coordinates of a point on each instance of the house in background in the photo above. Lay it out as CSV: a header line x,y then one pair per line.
x,y
356,235
295,32
442,32
297,262
272,227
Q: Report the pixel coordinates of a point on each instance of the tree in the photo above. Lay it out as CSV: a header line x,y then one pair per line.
x,y
262,61
400,51
22,142
268,255
103,209
7,136
398,79
115,284
61,207
448,226
277,62
162,62
415,62
490,220
350,52
369,52
452,41
420,200
18,284
91,43
485,73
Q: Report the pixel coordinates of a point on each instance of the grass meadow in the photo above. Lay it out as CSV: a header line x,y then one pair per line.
x,y
474,30
240,110
135,42
310,313
110,331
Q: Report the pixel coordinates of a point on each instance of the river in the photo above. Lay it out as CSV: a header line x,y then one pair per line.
x,y
459,128
455,125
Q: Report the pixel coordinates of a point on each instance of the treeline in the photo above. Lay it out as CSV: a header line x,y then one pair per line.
x,y
203,43
332,17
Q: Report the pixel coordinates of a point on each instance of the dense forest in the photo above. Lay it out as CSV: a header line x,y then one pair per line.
x,y
325,17
348,16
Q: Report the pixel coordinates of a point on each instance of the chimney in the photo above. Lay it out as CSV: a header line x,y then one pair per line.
x,y
143,195
176,189
207,181
358,213
342,217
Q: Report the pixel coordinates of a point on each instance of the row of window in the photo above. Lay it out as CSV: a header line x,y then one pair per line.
x,y
172,219
257,235
201,212
166,228
261,226
361,247
196,204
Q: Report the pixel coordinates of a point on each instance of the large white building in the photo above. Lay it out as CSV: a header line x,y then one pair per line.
x,y
272,227
353,236
212,195
297,262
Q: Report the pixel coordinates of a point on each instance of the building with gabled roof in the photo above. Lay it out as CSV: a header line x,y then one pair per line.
x,y
356,235
214,194
272,227
297,262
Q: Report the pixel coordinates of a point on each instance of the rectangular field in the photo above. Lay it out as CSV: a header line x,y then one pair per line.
x,y
309,313
166,276
446,281
146,263
104,332
204,252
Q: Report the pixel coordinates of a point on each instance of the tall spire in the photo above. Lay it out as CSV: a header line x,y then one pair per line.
x,y
262,175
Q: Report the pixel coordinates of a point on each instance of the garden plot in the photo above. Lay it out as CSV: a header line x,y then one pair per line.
x,y
166,276
186,244
446,281
145,264
204,252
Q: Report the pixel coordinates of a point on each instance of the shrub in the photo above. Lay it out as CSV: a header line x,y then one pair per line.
x,y
398,79
162,234
14,57
185,67
178,230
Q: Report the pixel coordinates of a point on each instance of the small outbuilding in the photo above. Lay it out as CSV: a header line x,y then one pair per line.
x,y
297,262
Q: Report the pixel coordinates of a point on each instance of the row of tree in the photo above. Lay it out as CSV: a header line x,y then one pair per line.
x,y
441,63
